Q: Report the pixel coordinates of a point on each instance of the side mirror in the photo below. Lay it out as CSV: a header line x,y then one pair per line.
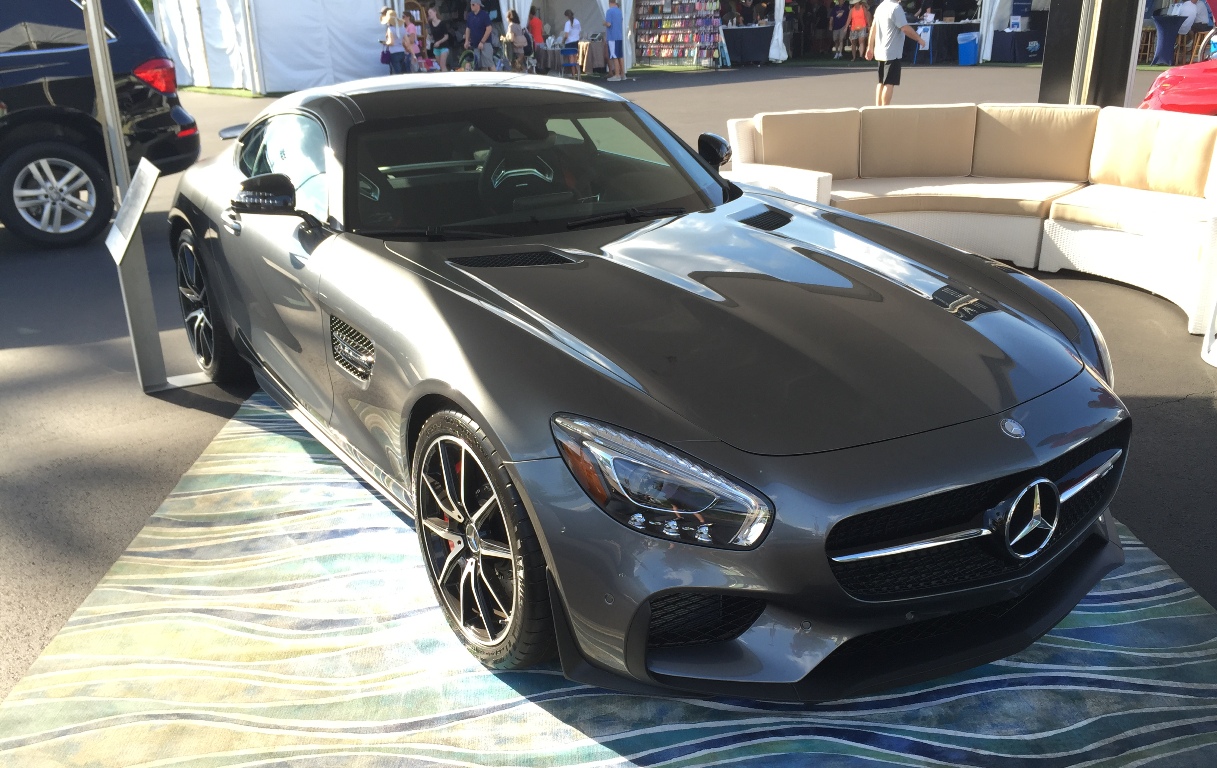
x,y
714,149
232,131
269,193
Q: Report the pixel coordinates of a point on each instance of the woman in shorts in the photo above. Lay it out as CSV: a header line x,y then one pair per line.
x,y
441,39
859,22
839,21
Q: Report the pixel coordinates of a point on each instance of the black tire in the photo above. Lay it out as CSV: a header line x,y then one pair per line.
x,y
214,350
526,637
81,198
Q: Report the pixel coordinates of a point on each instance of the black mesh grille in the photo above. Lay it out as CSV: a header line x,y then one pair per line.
x,y
694,618
950,624
529,259
769,220
352,350
967,563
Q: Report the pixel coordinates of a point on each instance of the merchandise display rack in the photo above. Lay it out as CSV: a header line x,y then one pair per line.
x,y
677,34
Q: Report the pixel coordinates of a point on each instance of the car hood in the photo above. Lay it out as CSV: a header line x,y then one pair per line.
x,y
805,339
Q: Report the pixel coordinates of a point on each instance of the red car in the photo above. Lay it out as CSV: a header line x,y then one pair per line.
x,y
1191,88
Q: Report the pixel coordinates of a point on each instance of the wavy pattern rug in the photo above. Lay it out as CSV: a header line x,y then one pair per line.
x,y
274,613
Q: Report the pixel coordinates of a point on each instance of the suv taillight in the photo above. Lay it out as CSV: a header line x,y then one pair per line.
x,y
158,73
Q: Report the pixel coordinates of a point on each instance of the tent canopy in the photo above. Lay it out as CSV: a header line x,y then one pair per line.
x,y
269,46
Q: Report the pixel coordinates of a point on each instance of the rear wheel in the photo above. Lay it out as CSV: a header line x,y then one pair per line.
x,y
213,348
54,194
482,555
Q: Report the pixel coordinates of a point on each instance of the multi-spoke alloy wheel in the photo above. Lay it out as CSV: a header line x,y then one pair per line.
x,y
213,348
481,554
54,193
196,309
468,550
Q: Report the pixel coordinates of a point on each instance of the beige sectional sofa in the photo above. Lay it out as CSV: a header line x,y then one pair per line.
x,y
1121,193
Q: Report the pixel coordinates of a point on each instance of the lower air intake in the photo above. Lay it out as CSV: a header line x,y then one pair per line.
x,y
696,618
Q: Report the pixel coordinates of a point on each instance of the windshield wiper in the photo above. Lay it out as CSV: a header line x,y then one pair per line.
x,y
629,214
434,233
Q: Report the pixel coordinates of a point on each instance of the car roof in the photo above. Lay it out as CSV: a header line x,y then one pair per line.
x,y
400,96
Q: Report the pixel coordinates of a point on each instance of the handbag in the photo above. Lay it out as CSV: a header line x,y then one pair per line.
x,y
384,55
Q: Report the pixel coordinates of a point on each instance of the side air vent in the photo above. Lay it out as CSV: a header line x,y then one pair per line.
x,y
529,259
353,351
770,220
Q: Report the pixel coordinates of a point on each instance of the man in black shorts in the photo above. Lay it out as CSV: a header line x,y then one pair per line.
x,y
886,43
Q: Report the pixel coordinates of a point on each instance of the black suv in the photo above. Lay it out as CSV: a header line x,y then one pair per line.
x,y
54,184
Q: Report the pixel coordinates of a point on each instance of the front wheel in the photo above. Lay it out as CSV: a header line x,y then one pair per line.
x,y
54,194
482,555
213,348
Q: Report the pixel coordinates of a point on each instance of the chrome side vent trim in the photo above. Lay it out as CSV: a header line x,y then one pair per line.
x,y
770,220
526,259
353,351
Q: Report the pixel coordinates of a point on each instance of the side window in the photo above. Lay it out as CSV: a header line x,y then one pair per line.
x,y
611,136
565,128
250,157
295,145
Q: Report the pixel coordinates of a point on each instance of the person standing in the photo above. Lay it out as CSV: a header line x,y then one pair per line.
x,y
441,38
394,40
515,36
839,17
477,35
535,28
411,43
886,44
571,32
614,35
859,23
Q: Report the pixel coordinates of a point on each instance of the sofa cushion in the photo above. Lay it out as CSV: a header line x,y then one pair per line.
x,y
1132,210
1011,197
816,140
917,141
1034,141
1153,150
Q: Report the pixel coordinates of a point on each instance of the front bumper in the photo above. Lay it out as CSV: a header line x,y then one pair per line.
x,y
813,641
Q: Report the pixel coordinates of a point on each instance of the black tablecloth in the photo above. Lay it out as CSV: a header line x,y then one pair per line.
x,y
746,44
1022,46
944,39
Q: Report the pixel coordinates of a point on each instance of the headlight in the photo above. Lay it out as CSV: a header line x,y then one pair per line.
x,y
1101,344
656,491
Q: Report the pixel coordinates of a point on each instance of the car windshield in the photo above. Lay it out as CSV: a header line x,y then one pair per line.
x,y
512,171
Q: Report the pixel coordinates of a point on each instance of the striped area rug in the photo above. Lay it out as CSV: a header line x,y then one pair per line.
x,y
274,613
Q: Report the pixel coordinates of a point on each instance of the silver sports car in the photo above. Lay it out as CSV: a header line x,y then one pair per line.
x,y
688,436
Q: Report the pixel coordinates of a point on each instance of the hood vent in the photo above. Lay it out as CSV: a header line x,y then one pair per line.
x,y
529,259
770,220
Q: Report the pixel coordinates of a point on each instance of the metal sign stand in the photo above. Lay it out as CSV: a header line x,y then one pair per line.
x,y
125,241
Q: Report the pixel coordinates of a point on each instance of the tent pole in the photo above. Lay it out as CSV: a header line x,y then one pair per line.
x,y
253,50
198,7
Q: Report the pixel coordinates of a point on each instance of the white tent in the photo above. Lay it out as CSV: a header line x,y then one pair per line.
x,y
271,46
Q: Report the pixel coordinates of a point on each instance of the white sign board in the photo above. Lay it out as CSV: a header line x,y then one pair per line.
x,y
924,33
126,223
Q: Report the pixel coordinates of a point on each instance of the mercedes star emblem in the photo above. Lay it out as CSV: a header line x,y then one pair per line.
x,y
1012,428
1032,519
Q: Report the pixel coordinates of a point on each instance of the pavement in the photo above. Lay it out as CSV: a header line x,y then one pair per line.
x,y
86,458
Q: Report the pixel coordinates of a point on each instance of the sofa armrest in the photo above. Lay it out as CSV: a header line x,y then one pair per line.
x,y
741,135
796,182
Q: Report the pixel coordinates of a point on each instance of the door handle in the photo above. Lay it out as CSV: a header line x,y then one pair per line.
x,y
232,220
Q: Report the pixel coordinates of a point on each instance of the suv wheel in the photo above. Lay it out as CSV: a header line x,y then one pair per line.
x,y
52,193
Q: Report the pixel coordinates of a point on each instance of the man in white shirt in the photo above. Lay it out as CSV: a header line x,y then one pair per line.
x,y
885,43
1186,9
